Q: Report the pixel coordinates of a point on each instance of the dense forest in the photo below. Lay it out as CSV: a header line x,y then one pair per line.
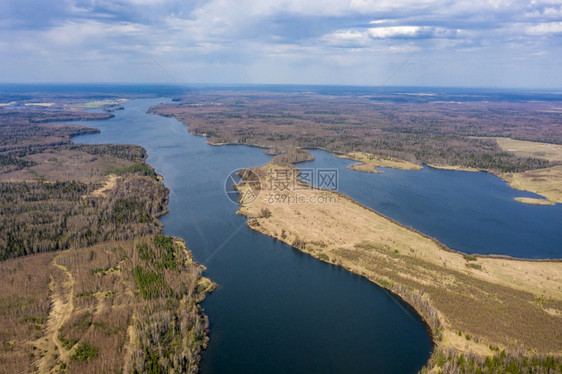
x,y
439,133
20,129
44,216
45,208
89,283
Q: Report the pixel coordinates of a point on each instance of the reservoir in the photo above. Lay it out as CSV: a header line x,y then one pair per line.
x,y
276,310
469,212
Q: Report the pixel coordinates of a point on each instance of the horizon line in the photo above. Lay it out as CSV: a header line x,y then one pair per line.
x,y
102,83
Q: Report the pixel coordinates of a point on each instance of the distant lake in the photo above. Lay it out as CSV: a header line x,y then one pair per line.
x,y
469,212
276,310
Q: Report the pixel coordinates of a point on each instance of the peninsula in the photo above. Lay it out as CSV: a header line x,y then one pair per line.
x,y
474,305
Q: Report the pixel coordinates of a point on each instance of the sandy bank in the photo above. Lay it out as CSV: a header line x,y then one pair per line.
x,y
491,301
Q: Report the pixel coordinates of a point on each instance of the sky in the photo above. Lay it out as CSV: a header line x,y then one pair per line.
x,y
496,43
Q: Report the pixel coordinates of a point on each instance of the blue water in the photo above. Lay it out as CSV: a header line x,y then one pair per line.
x,y
276,310
468,212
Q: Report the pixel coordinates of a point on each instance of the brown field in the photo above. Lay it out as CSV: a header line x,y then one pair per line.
x,y
369,162
492,302
545,182
522,148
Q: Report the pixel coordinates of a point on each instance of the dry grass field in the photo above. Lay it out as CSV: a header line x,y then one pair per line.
x,y
369,162
545,182
472,303
522,148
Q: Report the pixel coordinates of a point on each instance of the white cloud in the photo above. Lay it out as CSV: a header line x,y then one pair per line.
x,y
395,31
347,38
75,33
545,28
289,36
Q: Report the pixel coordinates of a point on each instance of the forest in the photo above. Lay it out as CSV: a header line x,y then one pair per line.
x,y
89,283
437,133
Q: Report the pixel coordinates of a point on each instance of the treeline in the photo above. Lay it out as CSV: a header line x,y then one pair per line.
x,y
22,128
44,216
433,133
51,212
291,156
129,152
39,116
520,362
171,329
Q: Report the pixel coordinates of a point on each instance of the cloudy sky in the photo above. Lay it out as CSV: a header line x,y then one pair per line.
x,y
494,43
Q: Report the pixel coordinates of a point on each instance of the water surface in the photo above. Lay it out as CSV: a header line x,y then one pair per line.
x,y
469,212
276,310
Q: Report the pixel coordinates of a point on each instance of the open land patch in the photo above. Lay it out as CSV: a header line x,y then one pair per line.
x,y
369,162
522,148
473,304
545,182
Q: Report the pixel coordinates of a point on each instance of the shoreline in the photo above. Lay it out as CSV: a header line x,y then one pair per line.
x,y
369,163
510,178
445,339
390,270
202,281
554,197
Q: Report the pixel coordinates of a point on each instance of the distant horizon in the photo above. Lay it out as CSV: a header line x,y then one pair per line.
x,y
221,85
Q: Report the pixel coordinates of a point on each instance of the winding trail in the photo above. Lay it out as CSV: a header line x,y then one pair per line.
x,y
62,306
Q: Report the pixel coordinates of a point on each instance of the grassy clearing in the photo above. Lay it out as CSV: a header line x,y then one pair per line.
x,y
545,182
524,149
499,302
370,162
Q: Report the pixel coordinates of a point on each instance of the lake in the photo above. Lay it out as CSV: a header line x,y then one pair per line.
x,y
469,212
276,310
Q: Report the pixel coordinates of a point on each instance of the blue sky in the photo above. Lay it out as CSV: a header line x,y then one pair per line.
x,y
493,43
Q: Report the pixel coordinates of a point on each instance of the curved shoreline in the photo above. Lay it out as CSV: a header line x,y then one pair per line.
x,y
416,300
406,274
179,246
366,166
